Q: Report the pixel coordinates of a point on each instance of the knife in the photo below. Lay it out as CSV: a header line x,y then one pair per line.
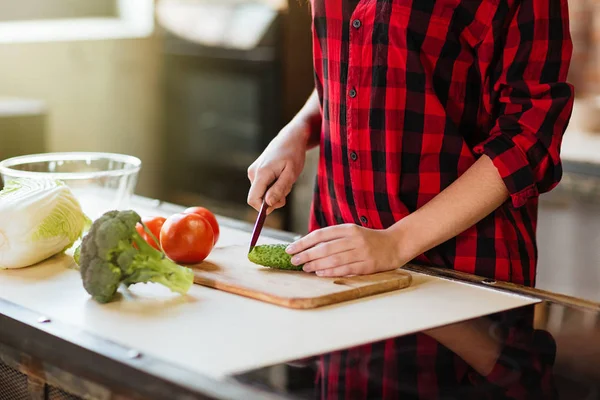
x,y
258,225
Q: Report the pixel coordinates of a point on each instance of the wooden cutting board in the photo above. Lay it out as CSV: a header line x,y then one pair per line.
x,y
228,269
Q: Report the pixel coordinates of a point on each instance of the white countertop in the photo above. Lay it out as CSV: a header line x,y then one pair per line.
x,y
217,334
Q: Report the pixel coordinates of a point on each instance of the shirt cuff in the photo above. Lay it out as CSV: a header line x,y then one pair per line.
x,y
512,165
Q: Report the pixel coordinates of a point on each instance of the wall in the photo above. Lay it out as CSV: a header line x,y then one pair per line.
x,y
101,95
43,9
569,238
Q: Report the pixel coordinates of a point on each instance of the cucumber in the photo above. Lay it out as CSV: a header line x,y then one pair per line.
x,y
273,256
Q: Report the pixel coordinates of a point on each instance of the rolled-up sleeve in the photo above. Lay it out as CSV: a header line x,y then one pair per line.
x,y
524,59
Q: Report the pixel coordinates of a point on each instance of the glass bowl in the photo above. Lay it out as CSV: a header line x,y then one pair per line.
x,y
100,181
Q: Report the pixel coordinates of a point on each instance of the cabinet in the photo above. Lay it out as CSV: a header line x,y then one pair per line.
x,y
223,105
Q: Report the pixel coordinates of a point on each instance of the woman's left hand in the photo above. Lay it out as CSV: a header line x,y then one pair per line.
x,y
348,249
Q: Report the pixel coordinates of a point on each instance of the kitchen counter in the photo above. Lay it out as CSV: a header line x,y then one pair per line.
x,y
555,357
581,141
54,341
581,146
580,153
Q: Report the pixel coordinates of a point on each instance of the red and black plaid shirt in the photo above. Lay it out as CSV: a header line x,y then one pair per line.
x,y
413,91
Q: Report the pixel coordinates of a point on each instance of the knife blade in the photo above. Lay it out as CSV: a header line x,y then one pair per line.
x,y
258,225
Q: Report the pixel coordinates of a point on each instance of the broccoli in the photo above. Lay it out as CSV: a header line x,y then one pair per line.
x,y
113,253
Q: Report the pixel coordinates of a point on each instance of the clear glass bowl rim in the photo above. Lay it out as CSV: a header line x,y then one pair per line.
x,y
134,165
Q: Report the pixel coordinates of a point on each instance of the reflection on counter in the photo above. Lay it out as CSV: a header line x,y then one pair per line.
x,y
536,352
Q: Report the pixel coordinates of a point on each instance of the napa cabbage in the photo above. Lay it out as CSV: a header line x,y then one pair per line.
x,y
39,218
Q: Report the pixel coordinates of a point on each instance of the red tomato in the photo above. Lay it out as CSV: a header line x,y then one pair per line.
x,y
154,224
210,217
187,238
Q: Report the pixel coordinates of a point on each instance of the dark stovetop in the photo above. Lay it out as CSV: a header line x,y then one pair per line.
x,y
550,350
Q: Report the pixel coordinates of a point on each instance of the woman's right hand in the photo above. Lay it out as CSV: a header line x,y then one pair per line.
x,y
279,166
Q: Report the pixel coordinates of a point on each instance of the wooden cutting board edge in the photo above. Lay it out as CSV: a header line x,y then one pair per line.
x,y
403,280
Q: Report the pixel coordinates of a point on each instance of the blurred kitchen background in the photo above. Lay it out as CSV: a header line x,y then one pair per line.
x,y
197,88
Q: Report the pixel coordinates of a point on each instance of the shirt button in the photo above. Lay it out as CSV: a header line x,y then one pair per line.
x,y
364,220
356,23
352,93
353,156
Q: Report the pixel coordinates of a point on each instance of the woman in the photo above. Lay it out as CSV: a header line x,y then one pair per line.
x,y
439,124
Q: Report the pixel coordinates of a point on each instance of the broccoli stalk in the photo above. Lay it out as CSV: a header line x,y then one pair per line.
x,y
113,253
158,270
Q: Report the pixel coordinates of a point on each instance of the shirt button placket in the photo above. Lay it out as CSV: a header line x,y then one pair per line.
x,y
352,107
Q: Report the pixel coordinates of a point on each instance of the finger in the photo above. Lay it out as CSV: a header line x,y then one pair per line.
x,y
253,168
322,250
356,268
252,172
281,188
320,236
332,261
263,179
276,206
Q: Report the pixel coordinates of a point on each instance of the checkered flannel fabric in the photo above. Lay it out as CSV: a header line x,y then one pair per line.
x,y
414,91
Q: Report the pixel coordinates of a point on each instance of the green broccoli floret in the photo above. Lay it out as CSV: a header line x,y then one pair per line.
x,y
113,253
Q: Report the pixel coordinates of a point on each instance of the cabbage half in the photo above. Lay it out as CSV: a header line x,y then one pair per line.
x,y
38,219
